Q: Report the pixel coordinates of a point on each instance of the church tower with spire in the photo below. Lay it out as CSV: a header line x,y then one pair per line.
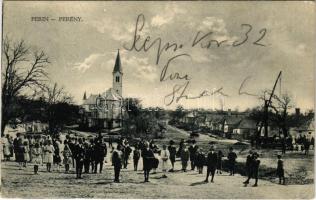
x,y
118,75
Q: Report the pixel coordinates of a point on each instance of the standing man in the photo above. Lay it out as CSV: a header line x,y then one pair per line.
x,y
148,157
127,152
211,162
117,163
173,151
100,153
80,155
185,155
232,156
219,162
136,156
193,152
181,144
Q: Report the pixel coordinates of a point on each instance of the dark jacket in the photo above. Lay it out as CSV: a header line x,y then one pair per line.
x,y
173,151
100,151
232,156
117,159
79,153
148,159
211,160
200,160
136,154
193,150
185,155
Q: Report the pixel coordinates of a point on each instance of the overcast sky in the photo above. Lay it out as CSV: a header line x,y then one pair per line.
x,y
82,54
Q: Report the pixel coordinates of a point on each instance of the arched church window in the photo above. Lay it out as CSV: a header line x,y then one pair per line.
x,y
117,79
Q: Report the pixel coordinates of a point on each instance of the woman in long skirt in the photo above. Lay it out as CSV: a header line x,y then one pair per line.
x,y
26,153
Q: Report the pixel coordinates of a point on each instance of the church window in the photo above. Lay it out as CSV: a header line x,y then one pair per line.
x,y
117,79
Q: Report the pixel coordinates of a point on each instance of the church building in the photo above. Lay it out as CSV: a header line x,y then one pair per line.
x,y
105,110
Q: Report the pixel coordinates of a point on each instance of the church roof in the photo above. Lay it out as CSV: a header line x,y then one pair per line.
x,y
111,94
118,65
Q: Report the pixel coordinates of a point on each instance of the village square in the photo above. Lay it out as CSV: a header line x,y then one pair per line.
x,y
120,108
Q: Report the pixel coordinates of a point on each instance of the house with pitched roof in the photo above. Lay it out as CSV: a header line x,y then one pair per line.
x,y
245,128
305,128
105,110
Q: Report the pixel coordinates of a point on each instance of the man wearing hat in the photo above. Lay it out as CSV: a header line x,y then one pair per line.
x,y
254,169
211,162
172,151
193,153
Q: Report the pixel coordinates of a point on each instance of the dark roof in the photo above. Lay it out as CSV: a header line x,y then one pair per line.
x,y
307,125
247,124
233,120
118,65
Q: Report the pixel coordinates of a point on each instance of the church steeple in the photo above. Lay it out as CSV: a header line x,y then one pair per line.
x,y
84,95
118,65
118,75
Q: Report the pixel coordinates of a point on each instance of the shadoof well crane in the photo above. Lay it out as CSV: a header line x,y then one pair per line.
x,y
267,104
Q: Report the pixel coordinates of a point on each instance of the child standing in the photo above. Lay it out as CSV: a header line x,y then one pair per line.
x,y
36,157
67,157
200,161
280,170
164,157
49,155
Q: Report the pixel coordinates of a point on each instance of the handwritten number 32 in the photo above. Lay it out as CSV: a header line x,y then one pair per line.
x,y
262,32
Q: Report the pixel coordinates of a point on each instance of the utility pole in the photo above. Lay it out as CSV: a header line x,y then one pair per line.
x,y
265,111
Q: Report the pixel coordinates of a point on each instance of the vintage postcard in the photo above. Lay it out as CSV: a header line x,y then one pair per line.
x,y
158,99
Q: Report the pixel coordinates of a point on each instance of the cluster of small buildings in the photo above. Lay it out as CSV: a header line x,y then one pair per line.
x,y
239,125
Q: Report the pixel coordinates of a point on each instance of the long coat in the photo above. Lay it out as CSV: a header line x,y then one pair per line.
x,y
148,158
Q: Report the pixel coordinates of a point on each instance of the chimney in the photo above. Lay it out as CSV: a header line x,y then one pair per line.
x,y
297,111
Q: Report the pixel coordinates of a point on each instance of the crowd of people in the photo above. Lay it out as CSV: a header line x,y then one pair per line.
x,y
88,156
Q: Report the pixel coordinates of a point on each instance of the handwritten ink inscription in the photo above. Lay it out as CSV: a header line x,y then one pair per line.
x,y
201,40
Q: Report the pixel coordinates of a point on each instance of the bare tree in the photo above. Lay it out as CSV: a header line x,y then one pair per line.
x,y
280,104
55,96
22,69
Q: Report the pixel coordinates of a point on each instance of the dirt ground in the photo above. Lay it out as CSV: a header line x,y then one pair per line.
x,y
23,184
17,183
